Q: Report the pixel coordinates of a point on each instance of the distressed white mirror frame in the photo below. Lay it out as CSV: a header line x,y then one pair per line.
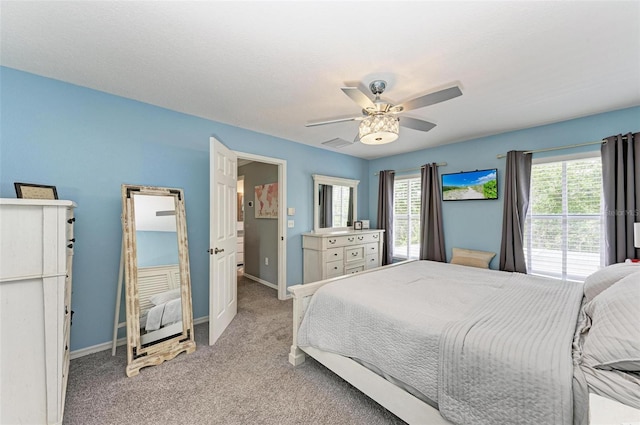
x,y
140,354
318,180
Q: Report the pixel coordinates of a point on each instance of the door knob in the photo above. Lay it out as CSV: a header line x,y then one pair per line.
x,y
218,250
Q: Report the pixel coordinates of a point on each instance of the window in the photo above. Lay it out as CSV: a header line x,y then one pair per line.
x,y
341,201
406,217
563,234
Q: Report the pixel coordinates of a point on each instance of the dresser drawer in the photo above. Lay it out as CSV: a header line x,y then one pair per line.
x,y
371,248
336,241
334,268
353,254
335,254
353,270
372,261
368,238
70,222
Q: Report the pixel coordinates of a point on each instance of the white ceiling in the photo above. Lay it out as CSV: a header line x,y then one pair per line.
x,y
272,66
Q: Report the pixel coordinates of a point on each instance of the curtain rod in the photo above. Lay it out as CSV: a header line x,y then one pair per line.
x,y
502,155
439,164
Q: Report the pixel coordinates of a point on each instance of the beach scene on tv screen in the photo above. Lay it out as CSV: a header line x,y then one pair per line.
x,y
470,185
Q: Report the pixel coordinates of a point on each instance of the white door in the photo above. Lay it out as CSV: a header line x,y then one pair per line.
x,y
223,285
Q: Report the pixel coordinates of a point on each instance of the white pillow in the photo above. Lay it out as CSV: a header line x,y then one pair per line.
x,y
164,297
613,341
470,257
607,276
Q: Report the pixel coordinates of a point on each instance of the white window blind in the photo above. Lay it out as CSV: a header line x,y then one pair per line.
x,y
341,198
406,217
563,234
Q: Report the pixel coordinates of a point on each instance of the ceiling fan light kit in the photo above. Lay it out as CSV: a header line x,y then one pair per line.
x,y
379,129
379,122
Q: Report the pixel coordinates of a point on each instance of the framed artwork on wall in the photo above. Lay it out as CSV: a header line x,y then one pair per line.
x,y
266,199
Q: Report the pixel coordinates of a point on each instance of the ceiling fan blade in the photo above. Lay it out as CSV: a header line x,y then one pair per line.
x,y
357,96
332,121
432,98
416,124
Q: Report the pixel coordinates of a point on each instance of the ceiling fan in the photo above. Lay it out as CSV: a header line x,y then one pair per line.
x,y
379,122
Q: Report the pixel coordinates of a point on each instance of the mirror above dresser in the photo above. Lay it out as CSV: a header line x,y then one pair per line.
x,y
335,201
334,248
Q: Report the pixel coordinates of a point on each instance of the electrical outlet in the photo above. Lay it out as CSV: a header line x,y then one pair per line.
x,y
266,261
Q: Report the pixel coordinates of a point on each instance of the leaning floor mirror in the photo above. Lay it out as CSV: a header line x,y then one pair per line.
x,y
158,285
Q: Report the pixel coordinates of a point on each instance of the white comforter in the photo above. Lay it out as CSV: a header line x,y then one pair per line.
x,y
395,319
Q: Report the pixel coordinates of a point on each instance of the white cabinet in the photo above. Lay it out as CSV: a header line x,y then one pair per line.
x,y
329,255
36,252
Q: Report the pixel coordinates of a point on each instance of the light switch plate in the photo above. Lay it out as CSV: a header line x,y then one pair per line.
x,y
290,224
291,211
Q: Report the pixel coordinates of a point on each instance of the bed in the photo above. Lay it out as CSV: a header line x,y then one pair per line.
x,y
440,343
160,303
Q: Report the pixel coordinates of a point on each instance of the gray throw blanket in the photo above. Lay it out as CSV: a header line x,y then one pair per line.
x,y
510,361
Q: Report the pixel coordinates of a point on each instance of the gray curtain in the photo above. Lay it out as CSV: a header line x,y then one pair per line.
x,y
385,213
350,210
621,187
516,202
431,231
326,205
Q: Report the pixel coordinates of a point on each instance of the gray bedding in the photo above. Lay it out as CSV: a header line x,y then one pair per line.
x,y
402,320
510,361
393,318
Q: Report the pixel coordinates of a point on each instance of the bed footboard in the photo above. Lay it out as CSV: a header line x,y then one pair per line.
x,y
301,297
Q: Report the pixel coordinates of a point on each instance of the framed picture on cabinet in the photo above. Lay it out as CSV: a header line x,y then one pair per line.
x,y
357,225
35,191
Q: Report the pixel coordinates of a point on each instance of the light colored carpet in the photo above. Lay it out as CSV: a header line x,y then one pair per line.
x,y
245,378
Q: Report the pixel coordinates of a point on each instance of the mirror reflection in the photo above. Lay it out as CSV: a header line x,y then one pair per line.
x,y
335,206
335,203
159,292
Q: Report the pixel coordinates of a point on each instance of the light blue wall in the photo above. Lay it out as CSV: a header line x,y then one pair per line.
x,y
156,248
87,143
478,224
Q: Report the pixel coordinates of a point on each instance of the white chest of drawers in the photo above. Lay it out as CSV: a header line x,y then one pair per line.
x,y
36,252
328,255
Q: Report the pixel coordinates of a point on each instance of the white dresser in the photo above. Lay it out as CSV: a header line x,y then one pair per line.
x,y
36,252
329,255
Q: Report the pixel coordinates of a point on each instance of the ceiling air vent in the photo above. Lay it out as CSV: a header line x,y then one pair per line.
x,y
337,143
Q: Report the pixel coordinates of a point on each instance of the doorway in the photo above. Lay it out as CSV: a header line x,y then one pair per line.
x,y
263,224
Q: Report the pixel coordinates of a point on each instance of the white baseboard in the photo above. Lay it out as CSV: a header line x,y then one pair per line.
x,y
264,282
121,341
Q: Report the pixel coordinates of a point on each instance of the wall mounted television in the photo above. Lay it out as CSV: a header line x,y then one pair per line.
x,y
470,185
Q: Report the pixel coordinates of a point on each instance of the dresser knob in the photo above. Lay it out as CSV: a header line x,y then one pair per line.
x,y
375,236
71,220
360,238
